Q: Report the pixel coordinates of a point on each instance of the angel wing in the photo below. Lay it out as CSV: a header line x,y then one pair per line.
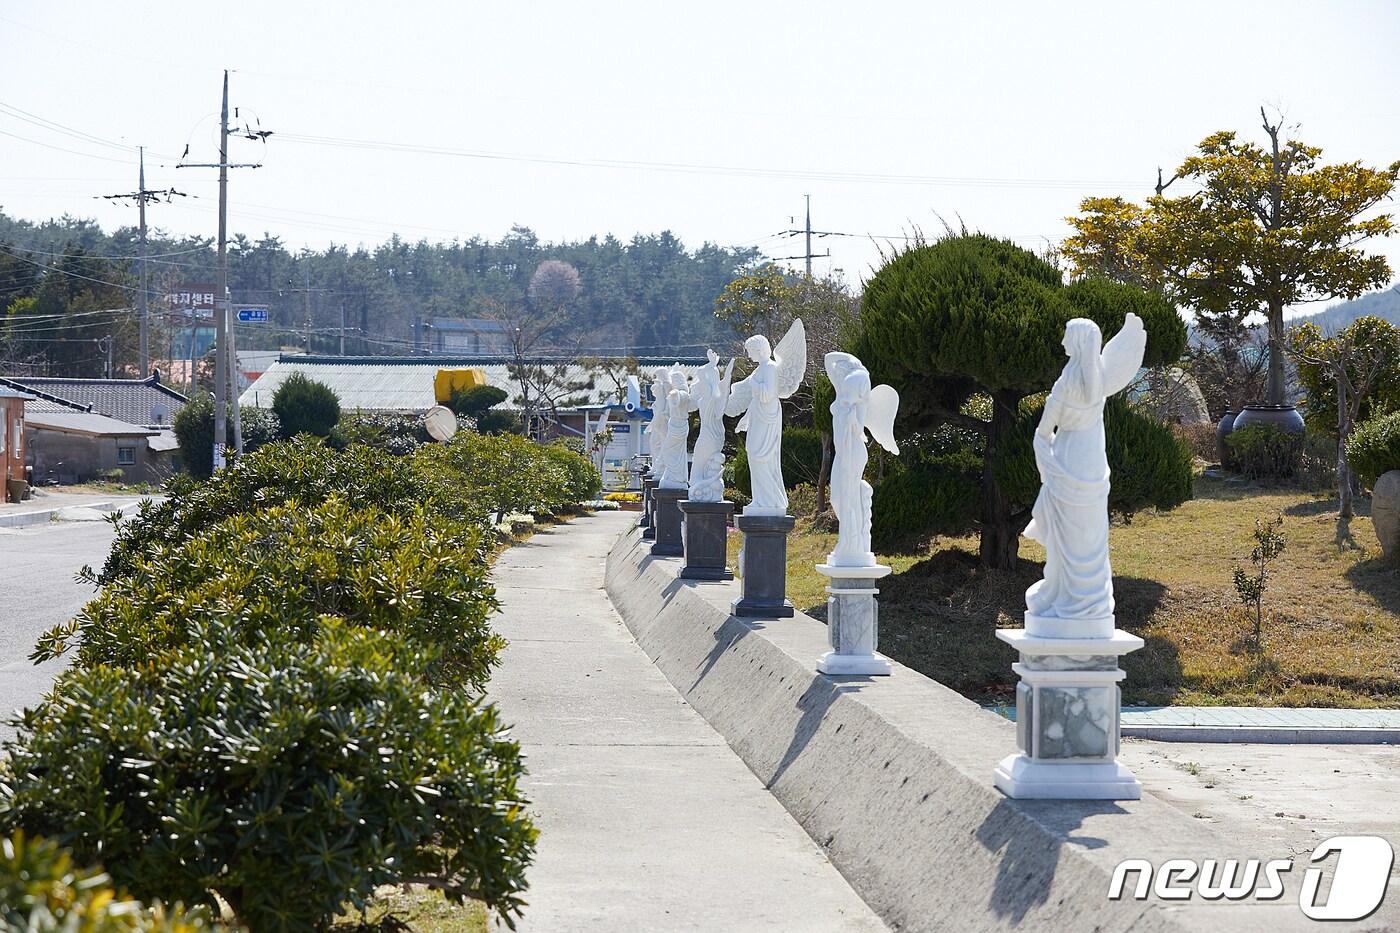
x,y
791,355
879,416
740,395
1122,356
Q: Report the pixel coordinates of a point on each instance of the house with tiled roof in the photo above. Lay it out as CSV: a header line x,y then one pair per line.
x,y
78,430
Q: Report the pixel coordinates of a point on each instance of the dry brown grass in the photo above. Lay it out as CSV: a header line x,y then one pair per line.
x,y
1331,635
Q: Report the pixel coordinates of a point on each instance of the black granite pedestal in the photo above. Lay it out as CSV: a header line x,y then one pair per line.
x,y
649,509
763,566
648,484
704,528
666,521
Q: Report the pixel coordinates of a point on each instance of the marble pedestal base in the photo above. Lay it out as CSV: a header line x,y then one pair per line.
x,y
704,528
648,484
666,521
853,622
763,566
1067,725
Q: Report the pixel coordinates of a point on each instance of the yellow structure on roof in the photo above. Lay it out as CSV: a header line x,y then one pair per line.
x,y
448,381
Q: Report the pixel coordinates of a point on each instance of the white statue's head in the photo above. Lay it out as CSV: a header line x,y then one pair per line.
x,y
1082,337
840,365
758,348
677,378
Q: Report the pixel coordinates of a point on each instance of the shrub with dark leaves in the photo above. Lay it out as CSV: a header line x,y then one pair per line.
x,y
290,778
275,573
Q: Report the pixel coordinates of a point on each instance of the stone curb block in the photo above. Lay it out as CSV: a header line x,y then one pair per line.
x,y
893,778
1266,735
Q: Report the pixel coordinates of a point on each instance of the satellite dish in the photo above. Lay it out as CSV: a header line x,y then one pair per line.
x,y
440,422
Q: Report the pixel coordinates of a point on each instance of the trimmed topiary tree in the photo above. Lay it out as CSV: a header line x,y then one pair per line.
x,y
305,406
971,314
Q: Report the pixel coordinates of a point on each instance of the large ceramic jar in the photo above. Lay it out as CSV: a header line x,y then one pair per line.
x,y
1283,417
1385,512
1222,431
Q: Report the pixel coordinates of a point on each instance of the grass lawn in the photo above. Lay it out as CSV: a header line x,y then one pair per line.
x,y
1332,612
420,910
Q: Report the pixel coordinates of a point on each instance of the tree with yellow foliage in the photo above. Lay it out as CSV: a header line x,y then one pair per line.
x,y
1266,227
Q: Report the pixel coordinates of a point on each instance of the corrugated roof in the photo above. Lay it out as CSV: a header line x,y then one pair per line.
x,y
135,401
80,422
7,392
406,383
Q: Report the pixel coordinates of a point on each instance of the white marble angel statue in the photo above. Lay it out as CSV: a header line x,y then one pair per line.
x,y
711,394
656,429
680,402
858,408
777,376
1070,516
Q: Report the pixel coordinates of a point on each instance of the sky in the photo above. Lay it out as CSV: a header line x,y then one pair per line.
x,y
712,120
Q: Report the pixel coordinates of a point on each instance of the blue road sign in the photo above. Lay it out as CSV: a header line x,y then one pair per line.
x,y
252,315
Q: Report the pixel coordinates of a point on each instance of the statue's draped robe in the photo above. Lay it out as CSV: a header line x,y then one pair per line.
x,y
657,431
1070,516
679,405
850,493
707,461
764,439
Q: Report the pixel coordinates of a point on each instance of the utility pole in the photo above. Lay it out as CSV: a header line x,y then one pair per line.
x,y
224,365
221,328
809,236
142,195
342,328
807,254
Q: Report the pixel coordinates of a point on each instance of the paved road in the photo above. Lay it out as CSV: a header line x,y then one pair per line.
x,y
648,821
37,591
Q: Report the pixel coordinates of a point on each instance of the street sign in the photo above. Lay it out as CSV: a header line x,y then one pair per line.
x,y
252,315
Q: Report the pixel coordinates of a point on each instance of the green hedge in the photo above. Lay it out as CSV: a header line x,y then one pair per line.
x,y
505,473
301,470
282,571
1374,448
802,459
290,777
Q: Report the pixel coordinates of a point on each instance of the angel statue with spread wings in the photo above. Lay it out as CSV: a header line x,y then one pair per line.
x,y
656,429
858,408
680,402
777,376
711,394
1070,516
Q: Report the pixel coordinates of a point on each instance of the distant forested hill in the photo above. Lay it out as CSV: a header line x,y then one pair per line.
x,y
647,294
1382,304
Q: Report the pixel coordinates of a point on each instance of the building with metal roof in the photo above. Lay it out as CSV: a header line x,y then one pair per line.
x,y
405,384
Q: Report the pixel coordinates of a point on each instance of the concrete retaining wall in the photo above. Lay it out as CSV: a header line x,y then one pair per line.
x,y
893,778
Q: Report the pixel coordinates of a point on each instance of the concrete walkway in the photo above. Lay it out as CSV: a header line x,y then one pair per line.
x,y
72,506
647,820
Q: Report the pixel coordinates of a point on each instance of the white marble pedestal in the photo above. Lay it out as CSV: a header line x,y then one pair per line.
x,y
853,622
1067,719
